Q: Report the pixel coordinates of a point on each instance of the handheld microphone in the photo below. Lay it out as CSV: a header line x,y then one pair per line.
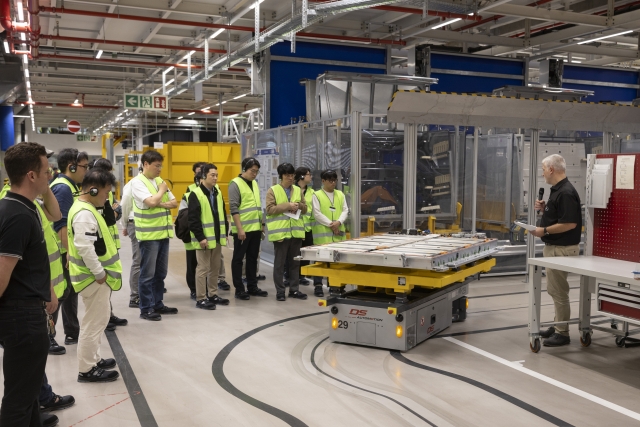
x,y
540,195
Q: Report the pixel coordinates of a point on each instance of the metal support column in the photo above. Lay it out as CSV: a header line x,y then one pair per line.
x,y
356,169
533,183
410,164
220,117
110,156
474,185
607,143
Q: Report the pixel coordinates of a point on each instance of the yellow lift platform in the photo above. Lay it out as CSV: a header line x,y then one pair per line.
x,y
408,288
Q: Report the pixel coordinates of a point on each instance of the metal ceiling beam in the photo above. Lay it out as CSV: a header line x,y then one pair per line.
x,y
550,15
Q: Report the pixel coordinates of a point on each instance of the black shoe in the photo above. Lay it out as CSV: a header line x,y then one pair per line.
x,y
97,375
192,295
261,277
150,316
166,310
280,297
224,285
205,305
243,296
257,292
69,340
54,348
297,295
557,340
304,282
164,291
118,321
134,303
58,402
217,300
48,420
106,363
318,291
110,327
548,332
285,282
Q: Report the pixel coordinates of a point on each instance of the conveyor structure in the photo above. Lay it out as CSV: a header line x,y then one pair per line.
x,y
408,287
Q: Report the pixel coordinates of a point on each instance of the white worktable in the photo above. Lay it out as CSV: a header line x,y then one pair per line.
x,y
590,268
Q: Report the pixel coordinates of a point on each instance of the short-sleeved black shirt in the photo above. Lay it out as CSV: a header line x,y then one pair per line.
x,y
21,236
563,207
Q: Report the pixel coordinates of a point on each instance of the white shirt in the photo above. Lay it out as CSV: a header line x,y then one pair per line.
x,y
85,222
127,204
320,217
140,191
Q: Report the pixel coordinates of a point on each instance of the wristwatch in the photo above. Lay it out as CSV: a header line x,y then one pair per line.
x,y
546,233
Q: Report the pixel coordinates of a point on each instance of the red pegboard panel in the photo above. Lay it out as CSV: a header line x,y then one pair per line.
x,y
616,232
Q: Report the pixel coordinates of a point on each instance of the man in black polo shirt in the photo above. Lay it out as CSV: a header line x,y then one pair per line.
x,y
26,294
560,230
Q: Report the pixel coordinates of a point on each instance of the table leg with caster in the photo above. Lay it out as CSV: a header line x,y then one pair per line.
x,y
586,284
535,289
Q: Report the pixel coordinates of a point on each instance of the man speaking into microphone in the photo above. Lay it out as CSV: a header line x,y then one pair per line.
x,y
560,229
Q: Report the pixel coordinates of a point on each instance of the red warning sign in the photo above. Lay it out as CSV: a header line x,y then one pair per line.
x,y
73,126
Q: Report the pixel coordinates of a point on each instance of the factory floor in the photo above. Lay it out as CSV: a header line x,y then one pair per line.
x,y
268,363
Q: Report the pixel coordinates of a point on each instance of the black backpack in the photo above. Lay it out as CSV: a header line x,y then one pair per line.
x,y
182,226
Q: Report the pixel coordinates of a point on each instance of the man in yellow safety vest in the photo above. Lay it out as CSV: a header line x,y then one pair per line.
x,y
152,204
286,232
247,228
330,211
95,270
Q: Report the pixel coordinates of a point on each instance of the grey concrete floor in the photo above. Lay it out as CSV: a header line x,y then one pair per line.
x,y
225,368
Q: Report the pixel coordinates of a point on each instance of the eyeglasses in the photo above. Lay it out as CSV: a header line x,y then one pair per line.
x,y
255,171
83,166
332,181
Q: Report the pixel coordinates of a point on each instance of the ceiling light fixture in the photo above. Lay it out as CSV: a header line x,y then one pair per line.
x,y
605,37
6,47
444,23
20,11
240,96
191,113
180,118
99,54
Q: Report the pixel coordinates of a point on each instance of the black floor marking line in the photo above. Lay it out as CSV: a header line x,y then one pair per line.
x,y
143,411
313,362
508,293
218,373
507,397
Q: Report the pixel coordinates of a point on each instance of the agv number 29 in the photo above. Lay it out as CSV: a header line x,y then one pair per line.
x,y
343,324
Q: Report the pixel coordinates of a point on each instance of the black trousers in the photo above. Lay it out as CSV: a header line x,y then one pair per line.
x,y
251,248
192,264
70,308
285,251
25,338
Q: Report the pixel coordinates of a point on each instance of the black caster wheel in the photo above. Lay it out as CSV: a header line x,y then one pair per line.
x,y
535,346
585,340
620,341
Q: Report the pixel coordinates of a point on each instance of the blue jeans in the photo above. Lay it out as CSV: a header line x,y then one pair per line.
x,y
46,392
154,263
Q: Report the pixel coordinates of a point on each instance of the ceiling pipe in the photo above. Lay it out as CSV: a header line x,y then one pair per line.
x,y
125,43
34,21
352,39
63,10
446,15
116,107
123,62
496,17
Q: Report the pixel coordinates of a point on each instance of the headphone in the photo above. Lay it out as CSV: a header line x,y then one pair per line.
x,y
74,167
93,192
250,163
